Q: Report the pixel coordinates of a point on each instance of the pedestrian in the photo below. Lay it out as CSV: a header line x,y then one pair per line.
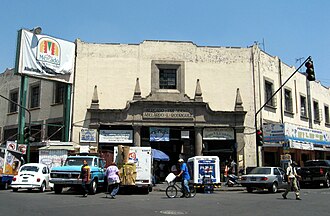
x,y
112,174
185,177
292,182
85,177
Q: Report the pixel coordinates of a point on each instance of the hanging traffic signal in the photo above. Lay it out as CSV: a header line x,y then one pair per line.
x,y
310,70
27,134
259,138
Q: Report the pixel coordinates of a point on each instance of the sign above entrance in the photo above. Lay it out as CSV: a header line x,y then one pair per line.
x,y
218,134
116,136
159,134
168,113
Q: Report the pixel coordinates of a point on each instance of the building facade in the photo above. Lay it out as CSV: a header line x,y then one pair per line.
x,y
44,100
185,100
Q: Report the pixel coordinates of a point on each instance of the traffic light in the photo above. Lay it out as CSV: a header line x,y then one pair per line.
x,y
260,138
27,134
310,70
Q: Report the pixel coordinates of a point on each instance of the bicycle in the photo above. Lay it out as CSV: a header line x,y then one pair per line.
x,y
173,187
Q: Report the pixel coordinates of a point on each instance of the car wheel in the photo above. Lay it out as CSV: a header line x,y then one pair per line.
x,y
274,188
58,189
15,189
42,187
93,187
249,189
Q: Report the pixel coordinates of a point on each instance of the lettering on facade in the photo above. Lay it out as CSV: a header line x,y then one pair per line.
x,y
168,113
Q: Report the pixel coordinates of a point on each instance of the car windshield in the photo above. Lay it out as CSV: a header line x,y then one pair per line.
x,y
261,170
78,161
29,168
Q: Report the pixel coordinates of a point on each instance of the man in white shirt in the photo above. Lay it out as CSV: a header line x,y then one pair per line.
x,y
292,182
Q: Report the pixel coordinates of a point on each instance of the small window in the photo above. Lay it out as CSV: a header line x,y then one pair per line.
x,y
276,172
13,96
34,96
303,106
59,92
316,111
326,114
268,93
167,79
288,101
44,170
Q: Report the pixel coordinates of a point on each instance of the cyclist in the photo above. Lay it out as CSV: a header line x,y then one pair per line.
x,y
185,177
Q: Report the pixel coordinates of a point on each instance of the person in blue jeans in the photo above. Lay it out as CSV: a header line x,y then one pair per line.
x,y
185,177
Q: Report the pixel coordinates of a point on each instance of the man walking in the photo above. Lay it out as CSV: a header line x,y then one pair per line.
x,y
185,177
292,182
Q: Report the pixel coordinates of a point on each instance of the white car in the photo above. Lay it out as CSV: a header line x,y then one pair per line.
x,y
32,176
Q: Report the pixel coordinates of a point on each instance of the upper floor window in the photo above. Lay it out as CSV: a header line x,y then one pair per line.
x,y
13,95
316,111
167,78
269,88
34,96
288,101
326,114
59,92
303,106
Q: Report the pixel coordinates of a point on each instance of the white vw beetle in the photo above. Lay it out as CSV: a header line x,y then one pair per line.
x,y
31,176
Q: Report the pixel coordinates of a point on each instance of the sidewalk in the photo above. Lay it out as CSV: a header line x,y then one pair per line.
x,y
163,186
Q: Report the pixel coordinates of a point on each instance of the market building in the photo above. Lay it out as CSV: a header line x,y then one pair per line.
x,y
186,100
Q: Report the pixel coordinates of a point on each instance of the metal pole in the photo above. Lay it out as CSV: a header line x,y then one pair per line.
x,y
270,98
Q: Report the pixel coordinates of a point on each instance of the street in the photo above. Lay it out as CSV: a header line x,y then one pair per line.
x,y
315,202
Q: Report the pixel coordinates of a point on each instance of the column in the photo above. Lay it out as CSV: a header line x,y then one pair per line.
x,y
137,136
198,141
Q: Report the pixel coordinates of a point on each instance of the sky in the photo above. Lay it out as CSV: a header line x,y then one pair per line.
x,y
289,29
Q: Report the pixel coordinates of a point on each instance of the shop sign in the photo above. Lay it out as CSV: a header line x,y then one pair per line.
x,y
88,135
84,149
159,134
116,136
218,134
168,113
306,135
273,133
286,157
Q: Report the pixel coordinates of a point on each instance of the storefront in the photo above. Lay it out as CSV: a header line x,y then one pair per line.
x,y
300,142
182,129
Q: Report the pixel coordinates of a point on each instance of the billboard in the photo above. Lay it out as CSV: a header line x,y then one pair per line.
x,y
45,57
116,136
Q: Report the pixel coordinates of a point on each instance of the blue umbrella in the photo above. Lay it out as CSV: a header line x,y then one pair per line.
x,y
159,155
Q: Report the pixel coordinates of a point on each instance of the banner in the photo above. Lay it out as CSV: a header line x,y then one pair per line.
x,y
159,134
88,135
116,136
46,57
218,134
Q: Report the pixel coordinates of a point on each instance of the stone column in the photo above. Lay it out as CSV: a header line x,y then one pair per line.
x,y
137,135
198,141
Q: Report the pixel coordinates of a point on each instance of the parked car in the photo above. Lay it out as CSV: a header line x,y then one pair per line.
x,y
31,176
315,172
271,178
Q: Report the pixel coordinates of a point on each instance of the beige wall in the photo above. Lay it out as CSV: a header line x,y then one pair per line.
x,y
115,67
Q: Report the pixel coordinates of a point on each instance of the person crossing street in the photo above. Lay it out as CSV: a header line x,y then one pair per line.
x,y
292,182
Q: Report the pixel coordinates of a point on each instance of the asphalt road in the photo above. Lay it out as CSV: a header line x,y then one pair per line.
x,y
315,202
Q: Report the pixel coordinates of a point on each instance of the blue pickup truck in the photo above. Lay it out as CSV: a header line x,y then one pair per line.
x,y
67,175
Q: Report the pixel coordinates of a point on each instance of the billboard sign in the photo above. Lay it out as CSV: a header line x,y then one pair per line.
x,y
46,57
116,136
